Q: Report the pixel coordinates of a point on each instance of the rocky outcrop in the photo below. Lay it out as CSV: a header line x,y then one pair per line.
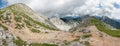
x,y
6,38
60,24
20,26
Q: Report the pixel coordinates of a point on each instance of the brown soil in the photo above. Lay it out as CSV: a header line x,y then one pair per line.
x,y
42,37
101,39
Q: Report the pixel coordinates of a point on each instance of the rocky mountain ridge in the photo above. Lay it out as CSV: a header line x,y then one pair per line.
x,y
31,29
20,26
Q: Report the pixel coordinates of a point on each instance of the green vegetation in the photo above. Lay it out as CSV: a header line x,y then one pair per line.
x,y
86,36
44,44
0,17
77,39
18,18
30,19
6,17
86,43
102,27
67,43
19,26
35,31
26,16
20,42
28,23
5,28
41,24
1,11
4,42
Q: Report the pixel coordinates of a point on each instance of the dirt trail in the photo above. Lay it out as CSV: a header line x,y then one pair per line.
x,y
101,39
26,35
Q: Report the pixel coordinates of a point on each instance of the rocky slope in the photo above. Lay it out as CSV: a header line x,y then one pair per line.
x,y
111,22
20,26
28,28
60,24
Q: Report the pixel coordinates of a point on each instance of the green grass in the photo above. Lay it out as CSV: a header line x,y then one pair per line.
x,y
86,36
23,14
86,43
20,42
77,39
44,44
5,28
19,26
4,42
35,31
102,27
28,23
17,18
30,19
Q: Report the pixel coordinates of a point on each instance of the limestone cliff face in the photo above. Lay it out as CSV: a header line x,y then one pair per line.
x,y
22,8
60,24
70,23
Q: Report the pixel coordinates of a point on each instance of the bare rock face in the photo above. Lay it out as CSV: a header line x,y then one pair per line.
x,y
6,38
76,44
23,9
61,25
71,23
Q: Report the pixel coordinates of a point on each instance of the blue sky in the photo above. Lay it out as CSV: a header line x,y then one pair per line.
x,y
116,5
2,4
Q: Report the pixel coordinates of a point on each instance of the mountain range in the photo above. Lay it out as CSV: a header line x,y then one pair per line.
x,y
21,26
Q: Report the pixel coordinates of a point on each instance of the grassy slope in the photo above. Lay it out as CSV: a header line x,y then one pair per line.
x,y
25,16
32,20
20,42
101,26
5,28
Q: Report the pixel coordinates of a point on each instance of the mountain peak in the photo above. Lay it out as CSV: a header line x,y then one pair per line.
x,y
20,7
19,4
23,12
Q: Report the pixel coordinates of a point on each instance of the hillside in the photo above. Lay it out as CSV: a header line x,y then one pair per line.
x,y
24,27
102,26
21,26
21,13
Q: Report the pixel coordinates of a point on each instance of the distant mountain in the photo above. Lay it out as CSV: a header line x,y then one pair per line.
x,y
111,22
117,20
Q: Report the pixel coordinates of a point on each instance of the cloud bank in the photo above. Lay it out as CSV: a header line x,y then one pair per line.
x,y
59,8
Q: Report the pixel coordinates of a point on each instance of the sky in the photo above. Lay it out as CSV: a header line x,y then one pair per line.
x,y
2,4
60,8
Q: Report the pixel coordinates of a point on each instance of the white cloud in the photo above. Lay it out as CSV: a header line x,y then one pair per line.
x,y
50,7
91,7
72,7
